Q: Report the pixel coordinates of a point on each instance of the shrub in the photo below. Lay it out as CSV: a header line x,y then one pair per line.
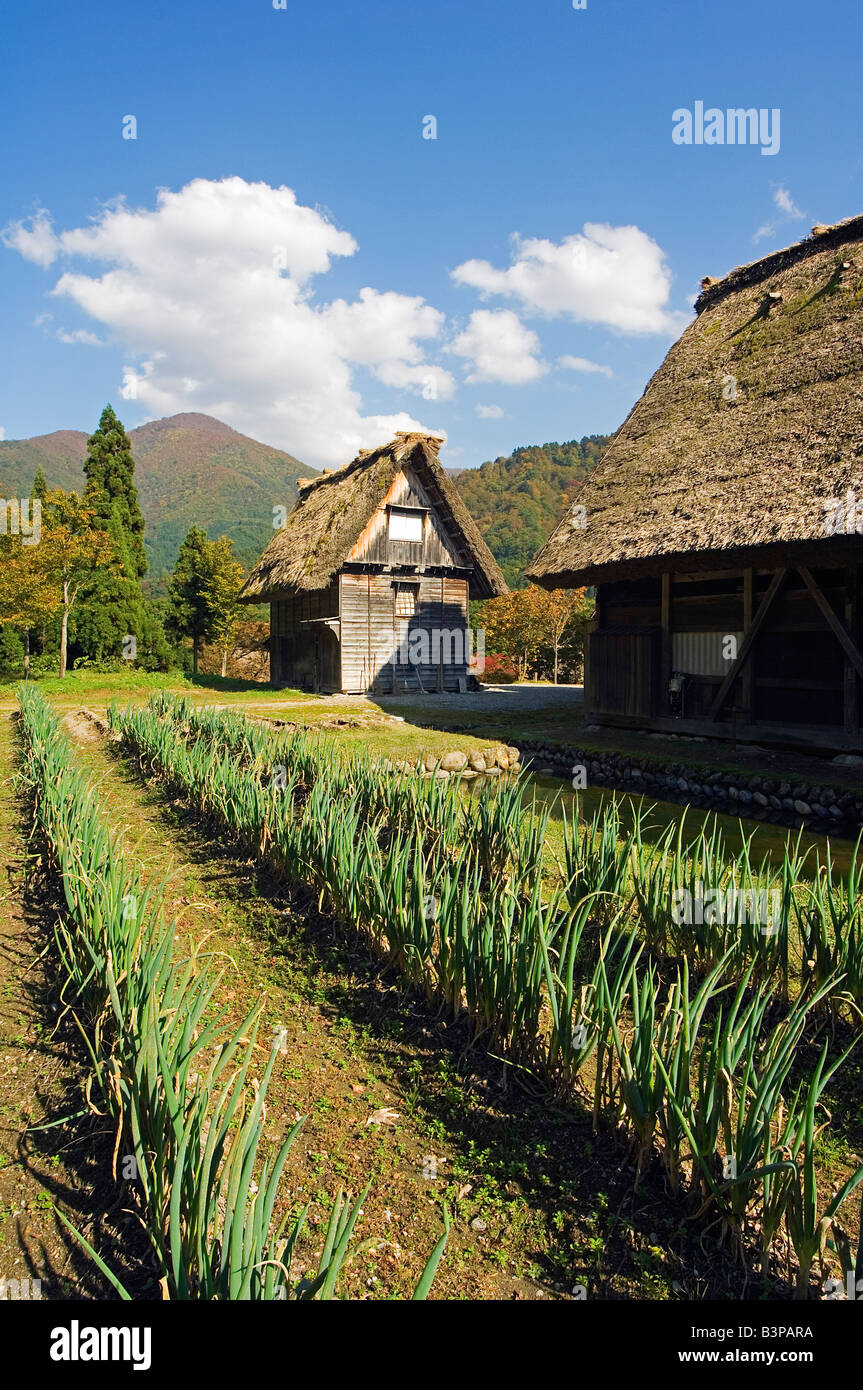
x,y
499,670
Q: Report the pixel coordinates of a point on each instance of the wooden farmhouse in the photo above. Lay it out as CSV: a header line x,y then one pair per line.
x,y
723,527
369,580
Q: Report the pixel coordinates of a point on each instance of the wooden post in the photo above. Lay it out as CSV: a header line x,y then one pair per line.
x,y
749,638
371,673
747,675
852,688
666,651
847,642
441,683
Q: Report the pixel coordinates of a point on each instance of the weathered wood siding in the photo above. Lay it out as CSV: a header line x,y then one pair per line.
x,y
304,652
622,669
436,550
374,639
797,677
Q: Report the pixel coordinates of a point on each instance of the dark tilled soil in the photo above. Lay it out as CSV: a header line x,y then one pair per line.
x,y
42,1079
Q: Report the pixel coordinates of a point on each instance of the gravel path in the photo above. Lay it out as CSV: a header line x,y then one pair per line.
x,y
492,699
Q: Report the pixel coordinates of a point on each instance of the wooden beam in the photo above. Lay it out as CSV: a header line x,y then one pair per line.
x,y
837,627
748,608
747,644
852,689
666,643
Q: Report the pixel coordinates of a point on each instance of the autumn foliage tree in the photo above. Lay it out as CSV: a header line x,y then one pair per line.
x,y
38,581
70,551
537,627
222,585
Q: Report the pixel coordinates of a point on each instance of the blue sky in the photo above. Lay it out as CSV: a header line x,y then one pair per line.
x,y
524,272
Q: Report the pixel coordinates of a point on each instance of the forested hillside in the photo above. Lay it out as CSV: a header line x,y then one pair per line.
x,y
190,469
517,500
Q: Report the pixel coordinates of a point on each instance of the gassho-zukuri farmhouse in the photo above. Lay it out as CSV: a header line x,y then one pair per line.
x,y
723,527
368,582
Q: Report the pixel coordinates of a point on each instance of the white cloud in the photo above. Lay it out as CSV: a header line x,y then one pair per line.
x,y
490,412
499,348
2,432
583,364
79,335
611,275
211,294
36,242
784,204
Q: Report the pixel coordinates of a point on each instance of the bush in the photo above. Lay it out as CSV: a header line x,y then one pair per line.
x,y
107,666
11,651
500,669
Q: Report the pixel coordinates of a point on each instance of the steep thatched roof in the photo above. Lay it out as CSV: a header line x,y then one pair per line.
x,y
333,510
752,424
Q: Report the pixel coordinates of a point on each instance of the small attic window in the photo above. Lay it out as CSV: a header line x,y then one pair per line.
x,y
406,525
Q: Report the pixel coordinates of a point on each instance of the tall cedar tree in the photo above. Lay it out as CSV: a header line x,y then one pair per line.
x,y
188,591
111,605
40,486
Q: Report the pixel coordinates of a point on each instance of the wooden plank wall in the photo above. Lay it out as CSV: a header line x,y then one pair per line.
x,y
798,675
622,670
371,635
437,549
301,654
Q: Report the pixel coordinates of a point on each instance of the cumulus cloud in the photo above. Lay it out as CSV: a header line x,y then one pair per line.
x,y
490,412
583,364
499,348
615,276
212,295
2,432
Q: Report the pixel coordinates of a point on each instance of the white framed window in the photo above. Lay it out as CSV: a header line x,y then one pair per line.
x,y
406,526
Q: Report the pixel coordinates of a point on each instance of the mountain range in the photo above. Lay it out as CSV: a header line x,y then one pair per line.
x,y
192,469
189,470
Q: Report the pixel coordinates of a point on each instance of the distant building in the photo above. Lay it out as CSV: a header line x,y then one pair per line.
x,y
368,582
723,527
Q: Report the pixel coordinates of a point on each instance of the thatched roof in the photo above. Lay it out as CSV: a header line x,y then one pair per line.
x,y
751,425
333,510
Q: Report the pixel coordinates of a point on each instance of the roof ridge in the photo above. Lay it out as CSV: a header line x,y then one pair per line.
x,y
403,442
819,239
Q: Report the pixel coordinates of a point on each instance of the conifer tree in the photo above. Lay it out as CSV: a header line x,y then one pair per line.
x,y
40,486
111,606
191,613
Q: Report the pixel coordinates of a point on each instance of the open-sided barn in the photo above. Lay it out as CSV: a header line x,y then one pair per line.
x,y
368,581
722,527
